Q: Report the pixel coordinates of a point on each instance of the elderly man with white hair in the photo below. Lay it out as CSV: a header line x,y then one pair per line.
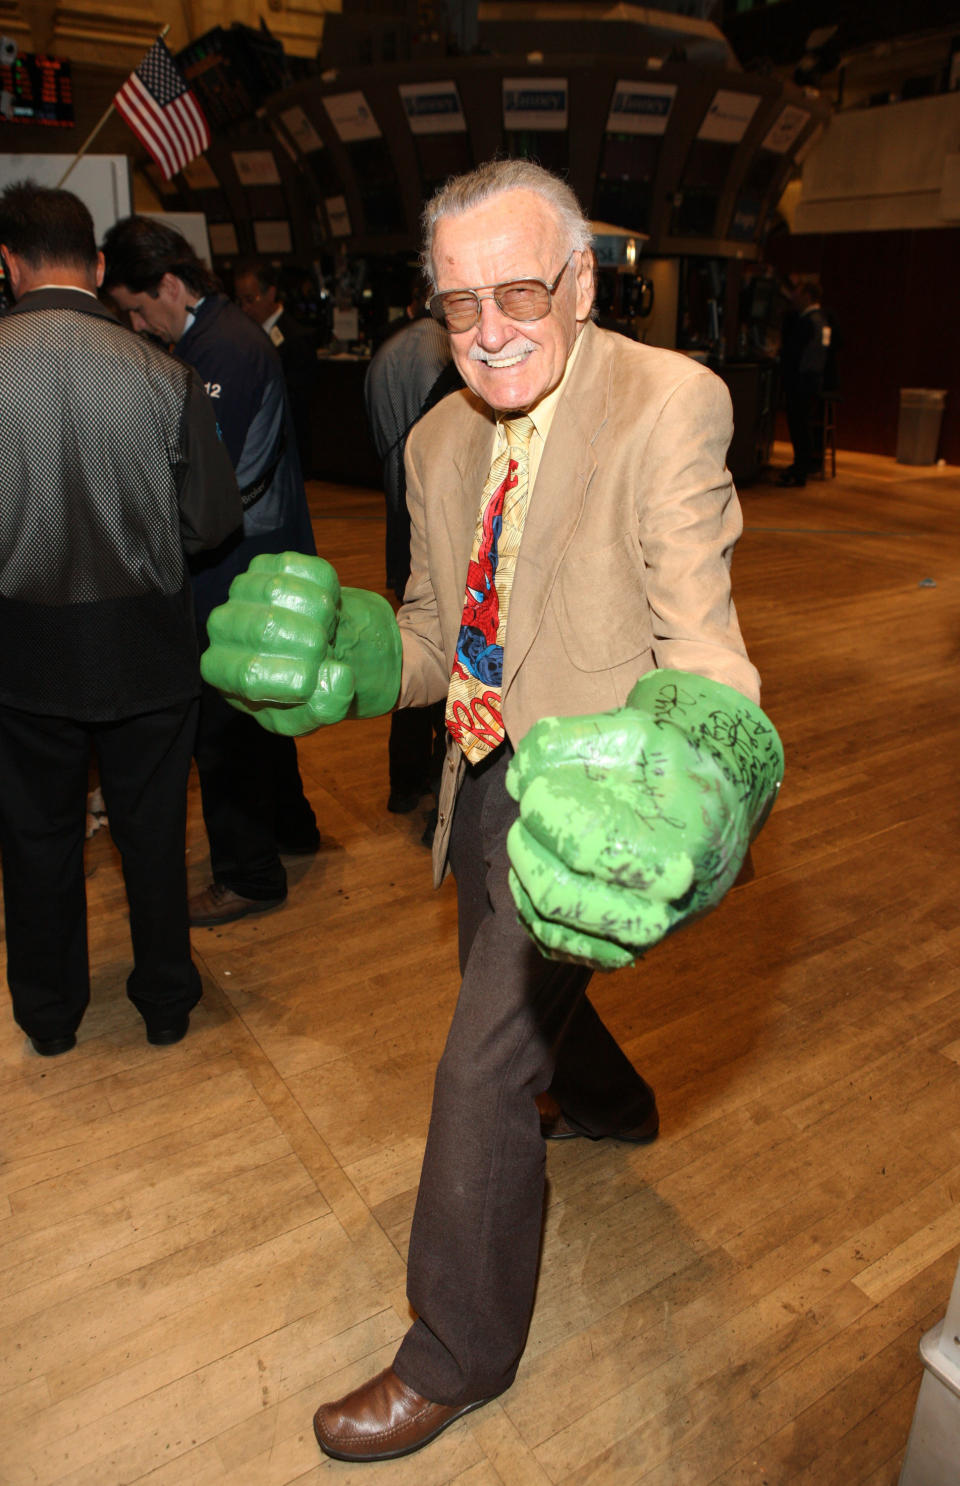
x,y
572,524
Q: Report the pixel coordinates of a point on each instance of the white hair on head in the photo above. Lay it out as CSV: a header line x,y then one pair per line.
x,y
463,192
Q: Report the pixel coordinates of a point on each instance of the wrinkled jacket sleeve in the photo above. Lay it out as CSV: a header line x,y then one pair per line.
x,y
425,675
207,489
690,522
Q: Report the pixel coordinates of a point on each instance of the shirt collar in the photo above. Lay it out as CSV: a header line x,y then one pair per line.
x,y
271,320
191,316
76,288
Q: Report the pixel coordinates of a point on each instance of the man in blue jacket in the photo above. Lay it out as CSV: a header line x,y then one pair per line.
x,y
254,807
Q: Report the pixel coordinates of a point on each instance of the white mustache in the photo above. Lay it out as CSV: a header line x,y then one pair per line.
x,y
514,348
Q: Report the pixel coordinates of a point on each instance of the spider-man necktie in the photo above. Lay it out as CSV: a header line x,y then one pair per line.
x,y
473,714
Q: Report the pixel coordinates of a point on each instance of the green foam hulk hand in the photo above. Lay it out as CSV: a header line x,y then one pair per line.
x,y
296,651
633,822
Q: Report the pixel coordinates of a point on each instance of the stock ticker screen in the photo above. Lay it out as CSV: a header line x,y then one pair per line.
x,y
36,90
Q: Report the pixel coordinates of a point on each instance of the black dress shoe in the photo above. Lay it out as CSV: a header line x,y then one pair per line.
x,y
169,1033
555,1125
563,1128
51,1047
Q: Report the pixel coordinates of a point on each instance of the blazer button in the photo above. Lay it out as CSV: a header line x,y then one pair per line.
x,y
441,819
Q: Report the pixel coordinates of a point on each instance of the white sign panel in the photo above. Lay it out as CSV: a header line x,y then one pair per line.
x,y
346,324
299,127
640,108
728,116
534,103
191,225
433,108
272,237
256,167
338,216
350,115
223,239
791,122
101,181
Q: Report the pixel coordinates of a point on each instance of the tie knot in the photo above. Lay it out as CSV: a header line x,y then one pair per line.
x,y
519,431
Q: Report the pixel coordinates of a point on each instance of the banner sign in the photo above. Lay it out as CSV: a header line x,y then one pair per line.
x,y
640,108
535,103
728,116
433,108
790,124
301,130
351,116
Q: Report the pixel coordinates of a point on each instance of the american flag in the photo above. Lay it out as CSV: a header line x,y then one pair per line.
x,y
162,111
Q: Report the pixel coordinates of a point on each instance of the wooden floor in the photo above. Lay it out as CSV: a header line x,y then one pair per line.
x,y
200,1243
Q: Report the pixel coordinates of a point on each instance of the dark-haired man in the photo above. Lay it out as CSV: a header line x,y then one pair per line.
x,y
112,469
259,294
253,802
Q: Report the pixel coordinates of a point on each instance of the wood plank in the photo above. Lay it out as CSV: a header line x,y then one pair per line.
x,y
198,1244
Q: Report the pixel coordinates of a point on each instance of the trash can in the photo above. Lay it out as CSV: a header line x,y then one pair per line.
x,y
918,431
933,1449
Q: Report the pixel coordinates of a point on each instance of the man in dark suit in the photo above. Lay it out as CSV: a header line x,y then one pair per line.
x,y
258,292
412,370
112,470
254,806
804,350
572,525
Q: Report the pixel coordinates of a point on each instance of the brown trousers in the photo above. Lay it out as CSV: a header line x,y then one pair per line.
x,y
522,1024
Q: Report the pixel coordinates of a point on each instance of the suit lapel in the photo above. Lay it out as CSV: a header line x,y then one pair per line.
x,y
456,511
566,470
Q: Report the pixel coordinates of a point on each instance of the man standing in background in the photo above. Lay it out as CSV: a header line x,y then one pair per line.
x,y
254,807
803,357
260,295
112,469
408,375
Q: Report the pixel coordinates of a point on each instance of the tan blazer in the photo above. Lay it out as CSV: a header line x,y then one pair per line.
x,y
625,561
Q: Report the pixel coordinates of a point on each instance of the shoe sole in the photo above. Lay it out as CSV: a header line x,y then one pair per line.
x,y
361,1459
624,1137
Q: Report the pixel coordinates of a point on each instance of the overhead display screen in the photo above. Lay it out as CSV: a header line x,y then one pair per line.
x,y
35,89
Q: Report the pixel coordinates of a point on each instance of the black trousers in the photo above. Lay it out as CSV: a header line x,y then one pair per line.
x,y
800,398
144,764
416,748
523,1024
252,798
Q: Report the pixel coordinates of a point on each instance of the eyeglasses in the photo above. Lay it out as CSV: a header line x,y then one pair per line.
x,y
520,299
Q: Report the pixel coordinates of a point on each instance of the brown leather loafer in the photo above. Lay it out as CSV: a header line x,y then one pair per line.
x,y
383,1420
218,904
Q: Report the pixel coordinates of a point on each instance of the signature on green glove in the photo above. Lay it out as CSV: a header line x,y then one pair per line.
x,y
296,651
636,821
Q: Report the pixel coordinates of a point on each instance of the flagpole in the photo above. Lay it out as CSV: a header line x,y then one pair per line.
x,y
96,130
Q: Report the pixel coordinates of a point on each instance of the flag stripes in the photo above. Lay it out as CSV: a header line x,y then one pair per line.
x,y
160,109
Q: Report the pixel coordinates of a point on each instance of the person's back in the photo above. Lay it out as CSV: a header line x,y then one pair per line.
x,y
113,469
94,596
